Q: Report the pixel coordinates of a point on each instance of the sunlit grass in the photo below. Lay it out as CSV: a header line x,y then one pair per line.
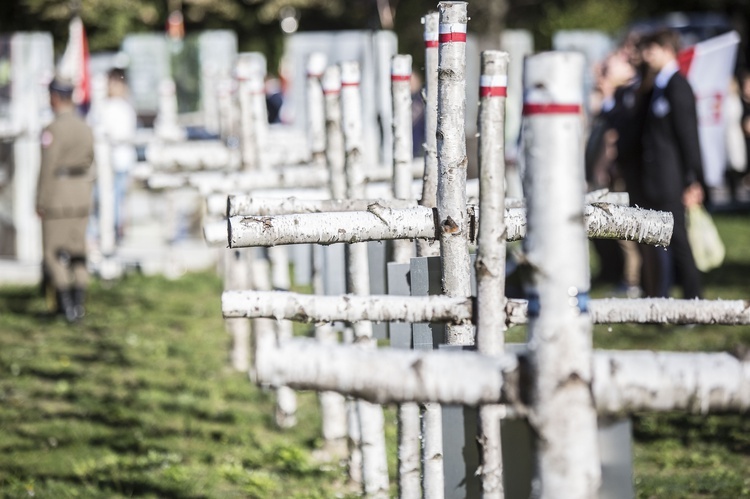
x,y
139,401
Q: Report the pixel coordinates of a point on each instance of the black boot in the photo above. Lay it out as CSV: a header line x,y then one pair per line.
x,y
65,305
79,297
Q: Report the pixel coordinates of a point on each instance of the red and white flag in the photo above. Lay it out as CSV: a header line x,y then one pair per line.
x,y
74,64
709,66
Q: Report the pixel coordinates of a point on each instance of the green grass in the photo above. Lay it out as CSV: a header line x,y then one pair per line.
x,y
139,401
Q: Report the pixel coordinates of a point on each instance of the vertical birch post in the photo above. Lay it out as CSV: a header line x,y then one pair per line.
x,y
248,141
335,150
408,413
452,162
490,262
316,124
429,183
374,464
258,109
562,413
286,400
402,142
236,276
433,482
333,405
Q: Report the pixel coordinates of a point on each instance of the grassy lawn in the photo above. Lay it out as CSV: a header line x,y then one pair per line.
x,y
138,401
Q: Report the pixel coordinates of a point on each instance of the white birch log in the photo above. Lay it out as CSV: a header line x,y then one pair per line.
x,y
348,308
377,223
243,205
403,250
651,311
438,308
237,277
625,381
433,480
562,413
286,400
333,412
246,86
490,262
372,435
335,150
316,120
380,223
258,109
429,184
452,162
408,414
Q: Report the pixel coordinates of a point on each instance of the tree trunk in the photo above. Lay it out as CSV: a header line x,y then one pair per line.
x,y
335,150
316,120
452,162
374,462
562,413
490,262
430,179
403,250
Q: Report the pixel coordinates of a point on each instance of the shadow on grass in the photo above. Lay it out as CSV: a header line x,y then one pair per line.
x,y
731,430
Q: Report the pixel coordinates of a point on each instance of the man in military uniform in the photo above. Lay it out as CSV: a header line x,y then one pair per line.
x,y
64,199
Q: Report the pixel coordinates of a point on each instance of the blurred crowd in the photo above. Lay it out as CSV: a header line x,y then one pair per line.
x,y
644,141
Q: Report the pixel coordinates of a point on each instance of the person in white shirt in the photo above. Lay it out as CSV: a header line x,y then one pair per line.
x,y
119,122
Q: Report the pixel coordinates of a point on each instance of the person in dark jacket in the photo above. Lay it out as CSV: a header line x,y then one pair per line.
x,y
672,169
63,199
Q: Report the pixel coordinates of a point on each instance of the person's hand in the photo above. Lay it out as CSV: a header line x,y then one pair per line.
x,y
693,195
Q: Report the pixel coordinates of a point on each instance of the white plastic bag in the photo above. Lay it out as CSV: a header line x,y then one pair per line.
x,y
708,250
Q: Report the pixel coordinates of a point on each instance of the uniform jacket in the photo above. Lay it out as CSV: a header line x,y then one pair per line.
x,y
66,174
671,150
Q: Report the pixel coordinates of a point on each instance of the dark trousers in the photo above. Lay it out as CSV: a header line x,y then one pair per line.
x,y
676,265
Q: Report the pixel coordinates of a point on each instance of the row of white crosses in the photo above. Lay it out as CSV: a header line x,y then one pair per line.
x,y
552,385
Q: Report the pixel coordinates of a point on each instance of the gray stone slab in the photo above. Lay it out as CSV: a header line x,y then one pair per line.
x,y
398,284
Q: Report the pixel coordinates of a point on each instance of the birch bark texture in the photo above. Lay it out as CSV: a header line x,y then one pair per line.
x,y
452,161
624,381
384,223
316,120
333,414
372,436
562,413
408,413
335,150
490,262
429,181
245,87
402,142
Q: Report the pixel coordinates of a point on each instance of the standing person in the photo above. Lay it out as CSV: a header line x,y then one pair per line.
x,y
119,123
626,89
672,166
63,199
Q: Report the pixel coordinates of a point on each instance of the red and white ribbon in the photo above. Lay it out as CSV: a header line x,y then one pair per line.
x,y
493,86
452,33
431,39
400,69
536,108
349,75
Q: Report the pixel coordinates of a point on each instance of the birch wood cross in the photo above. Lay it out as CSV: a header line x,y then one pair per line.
x,y
683,380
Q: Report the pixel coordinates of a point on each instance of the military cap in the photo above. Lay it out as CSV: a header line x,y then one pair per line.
x,y
62,86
